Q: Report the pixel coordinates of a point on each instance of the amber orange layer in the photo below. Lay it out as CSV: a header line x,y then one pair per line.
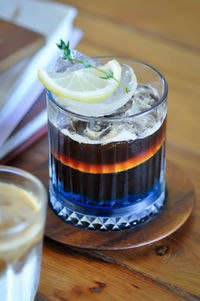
x,y
114,167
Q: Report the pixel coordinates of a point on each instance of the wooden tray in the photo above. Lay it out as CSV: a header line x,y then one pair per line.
x,y
16,43
177,209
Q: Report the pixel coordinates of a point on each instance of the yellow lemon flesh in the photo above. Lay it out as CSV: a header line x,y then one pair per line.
x,y
83,85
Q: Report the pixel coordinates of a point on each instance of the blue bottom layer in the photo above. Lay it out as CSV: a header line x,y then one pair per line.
x,y
118,215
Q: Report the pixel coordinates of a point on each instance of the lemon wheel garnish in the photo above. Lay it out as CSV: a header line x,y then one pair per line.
x,y
84,85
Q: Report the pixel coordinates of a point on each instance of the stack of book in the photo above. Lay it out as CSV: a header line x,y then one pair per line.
x,y
29,30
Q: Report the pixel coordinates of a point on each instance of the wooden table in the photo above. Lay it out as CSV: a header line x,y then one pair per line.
x,y
164,34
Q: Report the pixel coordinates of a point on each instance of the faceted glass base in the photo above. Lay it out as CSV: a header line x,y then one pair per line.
x,y
107,218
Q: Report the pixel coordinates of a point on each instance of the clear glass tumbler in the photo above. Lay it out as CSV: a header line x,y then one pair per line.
x,y
108,173
23,202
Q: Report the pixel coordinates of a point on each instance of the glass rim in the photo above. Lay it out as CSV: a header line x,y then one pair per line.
x,y
26,175
119,118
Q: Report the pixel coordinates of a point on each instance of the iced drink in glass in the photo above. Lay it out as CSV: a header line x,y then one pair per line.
x,y
107,162
23,202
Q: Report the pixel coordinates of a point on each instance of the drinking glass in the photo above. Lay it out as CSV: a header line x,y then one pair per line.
x,y
108,172
21,235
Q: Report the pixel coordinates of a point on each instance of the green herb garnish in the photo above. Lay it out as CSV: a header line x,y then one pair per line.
x,y
67,56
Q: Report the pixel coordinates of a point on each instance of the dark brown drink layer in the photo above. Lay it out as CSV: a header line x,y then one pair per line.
x,y
98,187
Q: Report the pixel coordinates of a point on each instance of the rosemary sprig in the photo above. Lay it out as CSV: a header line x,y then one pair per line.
x,y
67,56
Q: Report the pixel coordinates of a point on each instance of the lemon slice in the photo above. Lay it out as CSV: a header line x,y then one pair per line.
x,y
106,106
84,85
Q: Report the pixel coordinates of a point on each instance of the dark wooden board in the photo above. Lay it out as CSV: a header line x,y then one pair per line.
x,y
177,209
16,43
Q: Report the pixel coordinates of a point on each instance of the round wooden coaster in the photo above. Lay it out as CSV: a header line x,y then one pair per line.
x,y
177,208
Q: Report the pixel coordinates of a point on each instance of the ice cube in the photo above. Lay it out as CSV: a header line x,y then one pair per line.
x,y
123,111
63,65
146,94
98,130
78,126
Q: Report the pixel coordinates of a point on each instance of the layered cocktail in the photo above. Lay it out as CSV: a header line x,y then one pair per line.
x,y
107,163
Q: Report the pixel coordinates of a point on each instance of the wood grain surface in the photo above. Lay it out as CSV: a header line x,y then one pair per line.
x,y
178,206
165,35
16,43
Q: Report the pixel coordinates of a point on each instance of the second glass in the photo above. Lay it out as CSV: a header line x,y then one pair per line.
x,y
23,202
